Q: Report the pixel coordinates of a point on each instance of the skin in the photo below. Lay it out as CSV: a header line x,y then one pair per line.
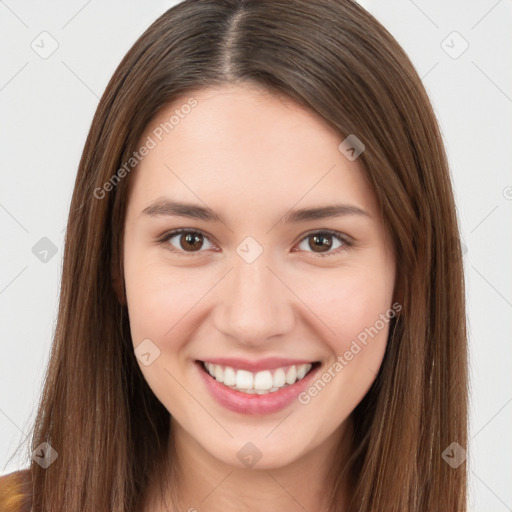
x,y
251,156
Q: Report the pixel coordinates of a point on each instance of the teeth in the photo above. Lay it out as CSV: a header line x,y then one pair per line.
x,y
244,380
219,373
279,379
301,371
229,376
261,383
291,376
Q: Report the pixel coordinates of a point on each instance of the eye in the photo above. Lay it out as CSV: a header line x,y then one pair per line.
x,y
322,240
186,241
191,241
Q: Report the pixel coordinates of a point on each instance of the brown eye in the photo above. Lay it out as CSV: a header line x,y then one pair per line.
x,y
186,241
191,241
321,243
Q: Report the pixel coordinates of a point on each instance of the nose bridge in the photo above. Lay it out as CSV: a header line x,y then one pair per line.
x,y
255,304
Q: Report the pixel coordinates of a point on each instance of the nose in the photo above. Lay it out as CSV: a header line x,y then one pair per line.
x,y
255,304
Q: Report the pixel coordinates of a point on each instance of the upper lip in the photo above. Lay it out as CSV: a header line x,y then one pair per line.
x,y
268,363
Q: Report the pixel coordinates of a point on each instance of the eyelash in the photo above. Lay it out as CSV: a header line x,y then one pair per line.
x,y
344,239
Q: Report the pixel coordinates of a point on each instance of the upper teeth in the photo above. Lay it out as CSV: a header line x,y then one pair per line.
x,y
260,382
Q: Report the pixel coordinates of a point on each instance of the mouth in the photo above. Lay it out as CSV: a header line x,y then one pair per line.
x,y
261,392
259,383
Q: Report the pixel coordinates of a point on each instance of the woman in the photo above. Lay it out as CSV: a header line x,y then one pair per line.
x,y
208,355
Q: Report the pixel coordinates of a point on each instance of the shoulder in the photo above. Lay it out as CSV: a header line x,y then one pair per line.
x,y
16,491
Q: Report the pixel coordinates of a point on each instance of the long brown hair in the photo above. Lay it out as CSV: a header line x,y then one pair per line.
x,y
333,57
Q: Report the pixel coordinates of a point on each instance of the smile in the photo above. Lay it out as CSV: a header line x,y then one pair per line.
x,y
261,391
263,382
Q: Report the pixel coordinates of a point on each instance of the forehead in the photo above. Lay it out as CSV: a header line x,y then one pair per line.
x,y
244,144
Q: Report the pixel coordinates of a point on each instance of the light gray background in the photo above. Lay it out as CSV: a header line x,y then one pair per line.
x,y
47,106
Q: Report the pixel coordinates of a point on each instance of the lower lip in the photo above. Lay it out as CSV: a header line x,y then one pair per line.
x,y
254,404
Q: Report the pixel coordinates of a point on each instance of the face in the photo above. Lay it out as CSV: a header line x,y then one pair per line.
x,y
251,274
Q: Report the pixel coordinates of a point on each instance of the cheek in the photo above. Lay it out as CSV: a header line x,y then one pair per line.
x,y
158,300
165,303
356,307
361,312
158,303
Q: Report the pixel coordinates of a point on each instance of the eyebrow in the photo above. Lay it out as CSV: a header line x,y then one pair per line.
x,y
164,206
